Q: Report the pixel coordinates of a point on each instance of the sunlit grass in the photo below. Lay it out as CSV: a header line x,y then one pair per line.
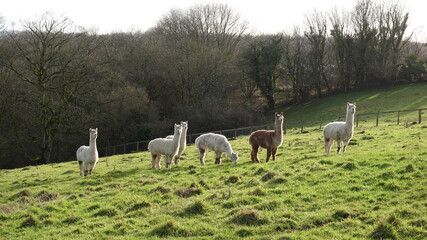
x,y
378,189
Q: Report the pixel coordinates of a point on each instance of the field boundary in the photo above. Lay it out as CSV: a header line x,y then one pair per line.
x,y
140,146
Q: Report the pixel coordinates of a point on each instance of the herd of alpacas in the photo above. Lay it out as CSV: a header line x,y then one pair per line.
x,y
174,145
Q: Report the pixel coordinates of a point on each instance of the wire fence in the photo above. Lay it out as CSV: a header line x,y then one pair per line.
x,y
397,117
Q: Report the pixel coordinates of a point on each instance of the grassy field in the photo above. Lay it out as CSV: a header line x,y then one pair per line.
x,y
404,97
377,190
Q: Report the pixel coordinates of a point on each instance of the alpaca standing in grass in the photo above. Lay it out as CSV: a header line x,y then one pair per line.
x,y
164,146
269,139
217,143
183,141
340,131
88,156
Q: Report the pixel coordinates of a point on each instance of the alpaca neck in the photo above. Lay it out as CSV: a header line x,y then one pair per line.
x,y
228,150
92,144
176,139
278,129
183,137
349,121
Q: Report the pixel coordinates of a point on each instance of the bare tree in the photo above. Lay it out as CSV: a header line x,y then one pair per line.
x,y
51,61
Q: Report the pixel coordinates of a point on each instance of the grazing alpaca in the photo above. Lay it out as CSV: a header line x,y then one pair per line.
x,y
268,139
183,141
217,143
164,146
340,131
88,156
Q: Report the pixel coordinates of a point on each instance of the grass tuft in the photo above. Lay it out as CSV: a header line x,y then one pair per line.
x,y
107,212
269,176
249,217
161,190
47,197
188,192
384,230
232,179
244,233
169,229
30,221
340,215
349,166
257,192
71,220
140,205
196,208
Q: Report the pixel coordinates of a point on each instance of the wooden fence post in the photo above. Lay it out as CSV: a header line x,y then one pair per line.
x,y
124,148
378,113
320,127
398,117
357,120
419,115
137,146
302,126
284,127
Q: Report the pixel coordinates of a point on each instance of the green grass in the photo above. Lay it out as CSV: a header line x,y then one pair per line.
x,y
404,97
377,190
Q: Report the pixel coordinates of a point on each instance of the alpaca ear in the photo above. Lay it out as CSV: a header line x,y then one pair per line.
x,y
96,129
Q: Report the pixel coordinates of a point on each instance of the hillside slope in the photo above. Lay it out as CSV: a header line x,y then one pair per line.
x,y
377,190
404,97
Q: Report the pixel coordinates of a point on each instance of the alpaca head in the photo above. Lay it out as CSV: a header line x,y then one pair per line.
x,y
234,157
93,133
177,129
351,108
279,116
184,125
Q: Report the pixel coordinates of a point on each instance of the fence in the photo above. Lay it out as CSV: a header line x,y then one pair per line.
x,y
398,117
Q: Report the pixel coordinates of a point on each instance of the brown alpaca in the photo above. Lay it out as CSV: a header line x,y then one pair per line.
x,y
268,139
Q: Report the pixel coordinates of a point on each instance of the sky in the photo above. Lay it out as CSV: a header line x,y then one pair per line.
x,y
263,16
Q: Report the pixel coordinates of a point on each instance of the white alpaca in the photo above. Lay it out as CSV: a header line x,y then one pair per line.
x,y
183,141
340,131
164,146
88,156
217,143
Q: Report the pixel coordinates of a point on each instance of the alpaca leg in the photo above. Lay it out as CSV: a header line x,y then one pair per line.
x,y
168,161
339,146
85,169
328,146
268,154
254,153
158,158
81,168
153,161
218,157
202,155
92,167
345,145
273,152
177,157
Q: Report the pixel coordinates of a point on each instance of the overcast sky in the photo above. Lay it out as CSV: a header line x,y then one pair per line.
x,y
264,16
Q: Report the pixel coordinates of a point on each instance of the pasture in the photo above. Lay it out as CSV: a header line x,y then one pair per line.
x,y
377,190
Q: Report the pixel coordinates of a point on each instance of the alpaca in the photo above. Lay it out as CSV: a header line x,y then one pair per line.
x,y
340,131
88,156
164,146
183,141
217,143
269,139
